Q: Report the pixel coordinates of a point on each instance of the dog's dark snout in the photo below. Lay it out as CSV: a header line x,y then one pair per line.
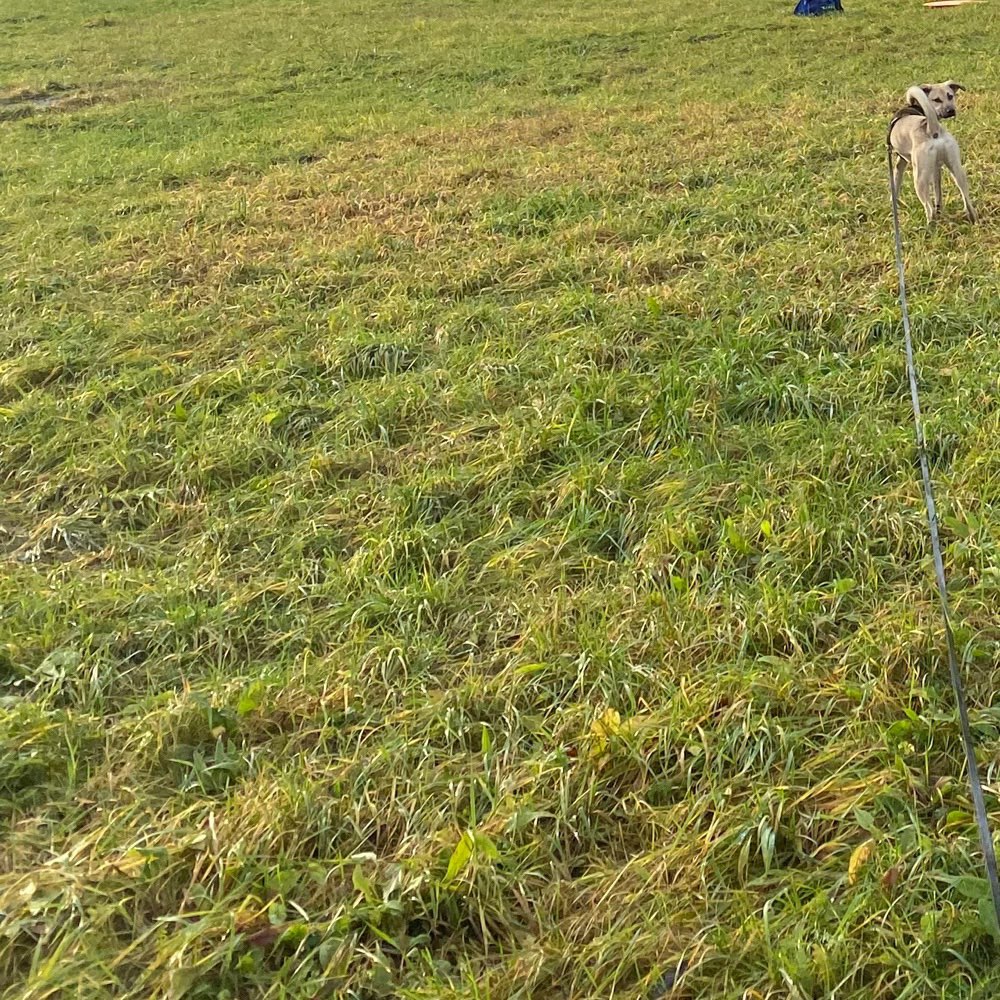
x,y
947,113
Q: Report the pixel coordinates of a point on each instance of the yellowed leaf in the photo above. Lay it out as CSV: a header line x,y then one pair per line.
x,y
827,848
132,862
608,724
633,724
601,730
859,857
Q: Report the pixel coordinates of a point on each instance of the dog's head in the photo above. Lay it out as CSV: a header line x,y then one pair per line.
x,y
942,96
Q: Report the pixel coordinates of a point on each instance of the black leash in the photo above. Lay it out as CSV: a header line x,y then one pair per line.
x,y
982,820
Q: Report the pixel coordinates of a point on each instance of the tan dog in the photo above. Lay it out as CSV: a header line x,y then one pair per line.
x,y
918,137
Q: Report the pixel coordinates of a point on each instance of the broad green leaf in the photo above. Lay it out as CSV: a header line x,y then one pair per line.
x,y
530,668
485,846
957,817
460,857
736,539
971,887
988,916
294,934
251,699
364,885
865,820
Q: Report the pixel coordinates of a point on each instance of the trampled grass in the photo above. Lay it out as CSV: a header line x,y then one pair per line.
x,y
460,530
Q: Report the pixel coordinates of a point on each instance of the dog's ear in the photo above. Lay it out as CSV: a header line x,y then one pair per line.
x,y
926,88
954,86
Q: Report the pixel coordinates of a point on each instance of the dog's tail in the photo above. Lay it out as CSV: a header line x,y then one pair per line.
x,y
916,95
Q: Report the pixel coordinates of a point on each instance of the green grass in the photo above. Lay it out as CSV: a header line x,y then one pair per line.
x,y
459,519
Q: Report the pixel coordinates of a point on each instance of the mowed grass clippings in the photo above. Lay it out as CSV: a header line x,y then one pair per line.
x,y
460,527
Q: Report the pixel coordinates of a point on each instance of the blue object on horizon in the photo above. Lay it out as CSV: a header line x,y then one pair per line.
x,y
810,8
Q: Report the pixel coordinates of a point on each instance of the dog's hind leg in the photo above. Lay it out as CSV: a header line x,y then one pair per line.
x,y
901,165
923,182
958,172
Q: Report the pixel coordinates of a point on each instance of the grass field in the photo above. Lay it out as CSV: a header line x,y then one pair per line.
x,y
459,520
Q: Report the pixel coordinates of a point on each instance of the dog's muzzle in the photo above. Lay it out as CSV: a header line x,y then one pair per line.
x,y
949,113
